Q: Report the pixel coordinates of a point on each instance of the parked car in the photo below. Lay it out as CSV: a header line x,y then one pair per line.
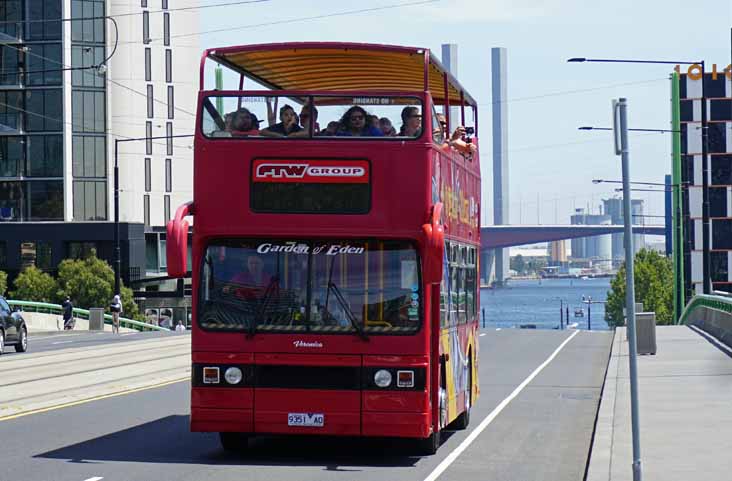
x,y
12,328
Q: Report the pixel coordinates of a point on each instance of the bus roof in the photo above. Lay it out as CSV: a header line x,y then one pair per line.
x,y
338,67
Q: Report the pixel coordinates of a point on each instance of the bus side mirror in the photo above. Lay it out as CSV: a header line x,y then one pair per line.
x,y
435,246
176,247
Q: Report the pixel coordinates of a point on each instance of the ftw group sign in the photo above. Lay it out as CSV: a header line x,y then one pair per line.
x,y
311,171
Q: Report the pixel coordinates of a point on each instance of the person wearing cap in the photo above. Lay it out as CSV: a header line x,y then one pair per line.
x,y
288,124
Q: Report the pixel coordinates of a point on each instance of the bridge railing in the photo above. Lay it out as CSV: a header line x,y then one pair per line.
x,y
47,308
711,313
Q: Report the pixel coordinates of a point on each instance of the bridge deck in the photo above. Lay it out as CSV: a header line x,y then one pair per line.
x,y
685,416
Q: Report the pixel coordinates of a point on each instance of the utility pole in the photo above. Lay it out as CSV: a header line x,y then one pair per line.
x,y
620,117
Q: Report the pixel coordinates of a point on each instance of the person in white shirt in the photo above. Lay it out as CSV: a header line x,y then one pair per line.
x,y
180,327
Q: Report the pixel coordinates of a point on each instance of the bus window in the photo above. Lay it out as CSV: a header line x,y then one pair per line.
x,y
263,285
338,116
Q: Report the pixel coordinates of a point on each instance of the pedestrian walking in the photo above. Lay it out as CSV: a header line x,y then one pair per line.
x,y
116,308
180,327
68,315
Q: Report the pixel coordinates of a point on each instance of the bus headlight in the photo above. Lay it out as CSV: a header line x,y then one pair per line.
x,y
233,375
382,378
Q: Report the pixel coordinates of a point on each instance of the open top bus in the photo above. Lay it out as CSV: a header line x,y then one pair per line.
x,y
334,259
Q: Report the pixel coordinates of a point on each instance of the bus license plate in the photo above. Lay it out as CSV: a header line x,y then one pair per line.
x,y
306,419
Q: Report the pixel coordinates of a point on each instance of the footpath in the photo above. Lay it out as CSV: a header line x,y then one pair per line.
x,y
685,411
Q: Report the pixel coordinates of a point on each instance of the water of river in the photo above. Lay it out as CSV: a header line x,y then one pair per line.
x,y
537,302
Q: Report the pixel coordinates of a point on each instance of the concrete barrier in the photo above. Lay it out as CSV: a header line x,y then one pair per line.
x,y
712,314
43,322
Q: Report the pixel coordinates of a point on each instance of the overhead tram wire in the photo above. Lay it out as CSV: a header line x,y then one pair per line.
x,y
295,20
108,132
98,66
129,14
570,92
107,79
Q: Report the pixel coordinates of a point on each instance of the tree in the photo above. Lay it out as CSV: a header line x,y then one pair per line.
x,y
34,285
518,263
3,282
90,283
653,287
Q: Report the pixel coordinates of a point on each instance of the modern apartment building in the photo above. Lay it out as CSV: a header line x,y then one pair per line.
x,y
718,96
70,85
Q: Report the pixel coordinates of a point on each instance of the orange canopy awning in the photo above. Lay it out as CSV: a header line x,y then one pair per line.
x,y
339,67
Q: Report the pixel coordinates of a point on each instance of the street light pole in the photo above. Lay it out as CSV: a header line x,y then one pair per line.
x,y
117,260
630,287
117,257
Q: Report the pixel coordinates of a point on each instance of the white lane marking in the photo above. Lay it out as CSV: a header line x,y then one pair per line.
x,y
95,478
61,342
498,329
482,334
488,419
128,334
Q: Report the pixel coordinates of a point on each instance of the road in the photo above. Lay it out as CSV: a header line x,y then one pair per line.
x,y
537,412
45,341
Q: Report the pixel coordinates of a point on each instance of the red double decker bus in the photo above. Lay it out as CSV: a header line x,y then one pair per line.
x,y
335,246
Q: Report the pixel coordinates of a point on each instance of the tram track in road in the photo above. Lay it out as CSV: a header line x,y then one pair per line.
x,y
57,378
27,373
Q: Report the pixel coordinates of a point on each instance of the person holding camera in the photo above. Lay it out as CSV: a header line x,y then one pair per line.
x,y
458,140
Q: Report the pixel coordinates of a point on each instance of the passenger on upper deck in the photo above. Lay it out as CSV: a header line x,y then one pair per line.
x,y
243,123
305,112
287,125
386,127
456,139
411,122
353,124
331,129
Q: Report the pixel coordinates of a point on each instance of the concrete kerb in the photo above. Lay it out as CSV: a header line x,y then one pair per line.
x,y
601,452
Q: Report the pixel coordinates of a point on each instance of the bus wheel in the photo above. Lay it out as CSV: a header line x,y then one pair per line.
x,y
429,445
234,442
463,419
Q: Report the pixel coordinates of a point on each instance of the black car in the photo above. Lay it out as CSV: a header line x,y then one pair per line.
x,y
12,328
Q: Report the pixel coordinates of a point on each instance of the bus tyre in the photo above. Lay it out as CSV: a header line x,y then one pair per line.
x,y
234,442
429,445
22,344
463,419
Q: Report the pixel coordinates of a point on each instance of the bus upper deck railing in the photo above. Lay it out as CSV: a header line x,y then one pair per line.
x,y
44,307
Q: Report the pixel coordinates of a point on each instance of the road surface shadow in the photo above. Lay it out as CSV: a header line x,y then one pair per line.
x,y
168,440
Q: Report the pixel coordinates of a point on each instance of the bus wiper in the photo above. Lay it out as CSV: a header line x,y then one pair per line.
x,y
347,309
263,306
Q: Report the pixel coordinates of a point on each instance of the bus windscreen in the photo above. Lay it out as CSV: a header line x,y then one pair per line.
x,y
334,116
286,285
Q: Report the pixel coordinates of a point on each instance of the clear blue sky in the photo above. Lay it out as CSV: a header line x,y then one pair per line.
x,y
550,160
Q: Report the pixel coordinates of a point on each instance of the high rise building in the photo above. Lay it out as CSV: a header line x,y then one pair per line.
x,y
68,89
557,252
614,208
718,94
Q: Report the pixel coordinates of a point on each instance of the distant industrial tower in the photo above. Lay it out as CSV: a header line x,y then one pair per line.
x,y
500,153
598,247
614,208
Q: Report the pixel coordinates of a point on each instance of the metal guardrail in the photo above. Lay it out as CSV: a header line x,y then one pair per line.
x,y
700,301
44,307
